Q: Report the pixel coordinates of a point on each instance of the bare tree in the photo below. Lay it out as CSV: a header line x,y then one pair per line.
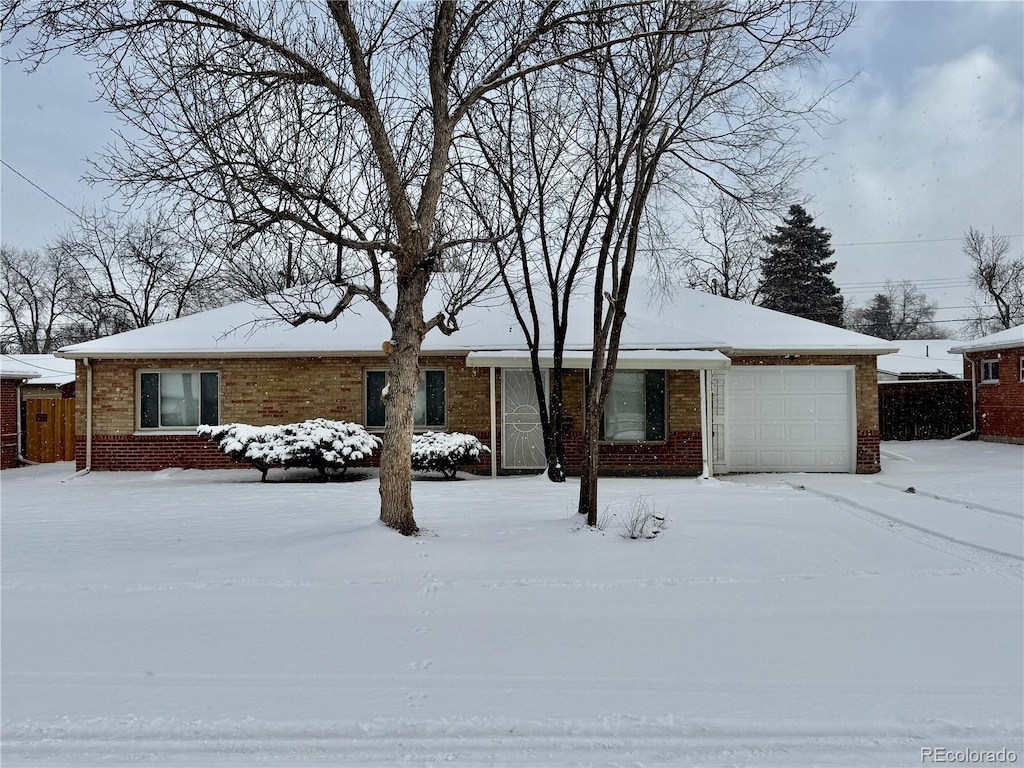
x,y
341,120
998,282
40,294
727,259
901,311
141,271
581,162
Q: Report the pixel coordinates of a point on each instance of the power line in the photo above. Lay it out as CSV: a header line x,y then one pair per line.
x,y
903,242
26,178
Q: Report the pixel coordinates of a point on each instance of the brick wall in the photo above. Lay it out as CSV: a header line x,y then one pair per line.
x,y
280,390
1000,406
8,423
252,391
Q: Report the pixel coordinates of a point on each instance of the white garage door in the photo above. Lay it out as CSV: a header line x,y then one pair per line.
x,y
789,419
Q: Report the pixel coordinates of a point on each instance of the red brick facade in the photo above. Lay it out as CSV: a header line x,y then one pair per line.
x,y
268,391
9,422
999,406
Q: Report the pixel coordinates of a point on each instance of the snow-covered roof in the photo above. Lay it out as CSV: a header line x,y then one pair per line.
x,y
1011,337
45,369
682,319
633,359
924,356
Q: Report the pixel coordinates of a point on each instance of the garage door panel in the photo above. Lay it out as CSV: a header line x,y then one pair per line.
x,y
803,434
833,408
770,381
833,461
831,435
743,461
742,434
744,408
775,460
797,382
831,381
772,408
789,419
772,434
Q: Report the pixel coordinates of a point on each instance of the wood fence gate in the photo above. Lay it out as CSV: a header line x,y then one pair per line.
x,y
924,410
49,429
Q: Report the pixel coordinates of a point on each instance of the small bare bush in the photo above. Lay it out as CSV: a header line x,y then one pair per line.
x,y
641,521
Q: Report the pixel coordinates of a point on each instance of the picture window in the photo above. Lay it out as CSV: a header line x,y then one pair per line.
x,y
635,411
430,399
178,399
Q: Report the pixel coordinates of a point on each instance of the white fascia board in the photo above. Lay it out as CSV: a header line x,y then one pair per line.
x,y
643,359
800,351
233,354
24,375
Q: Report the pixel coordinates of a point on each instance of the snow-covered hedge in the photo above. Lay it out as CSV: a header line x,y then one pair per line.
x,y
445,452
319,444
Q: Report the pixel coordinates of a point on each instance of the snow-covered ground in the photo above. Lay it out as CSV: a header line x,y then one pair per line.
x,y
202,618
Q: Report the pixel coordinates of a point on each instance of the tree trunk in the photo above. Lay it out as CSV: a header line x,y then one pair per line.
x,y
396,508
553,442
588,475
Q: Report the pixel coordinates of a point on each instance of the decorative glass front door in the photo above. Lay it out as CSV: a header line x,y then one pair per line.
x,y
522,439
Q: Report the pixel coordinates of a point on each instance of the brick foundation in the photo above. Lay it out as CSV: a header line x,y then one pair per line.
x,y
869,452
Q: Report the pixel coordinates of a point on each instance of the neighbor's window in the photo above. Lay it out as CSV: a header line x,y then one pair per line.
x,y
429,410
989,371
1021,361
635,410
172,399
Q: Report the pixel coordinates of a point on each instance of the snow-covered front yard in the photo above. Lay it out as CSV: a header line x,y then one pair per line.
x,y
202,618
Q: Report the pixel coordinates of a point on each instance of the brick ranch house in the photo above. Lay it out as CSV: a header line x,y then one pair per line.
x,y
994,365
707,386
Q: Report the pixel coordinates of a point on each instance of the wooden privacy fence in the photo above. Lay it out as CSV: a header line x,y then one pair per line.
x,y
924,410
49,429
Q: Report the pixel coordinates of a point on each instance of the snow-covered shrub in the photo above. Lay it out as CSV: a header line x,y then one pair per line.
x,y
319,444
445,452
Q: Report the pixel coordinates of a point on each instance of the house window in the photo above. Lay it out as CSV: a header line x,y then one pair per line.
x,y
429,409
989,371
176,399
635,410
1021,361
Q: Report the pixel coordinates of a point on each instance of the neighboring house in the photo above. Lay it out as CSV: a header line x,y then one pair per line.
x,y
47,408
921,392
921,360
12,378
707,384
56,376
994,365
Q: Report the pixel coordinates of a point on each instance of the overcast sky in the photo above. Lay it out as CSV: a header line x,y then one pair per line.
x,y
931,141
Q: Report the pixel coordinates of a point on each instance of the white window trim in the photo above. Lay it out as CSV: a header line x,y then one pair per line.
x,y
416,428
982,371
141,430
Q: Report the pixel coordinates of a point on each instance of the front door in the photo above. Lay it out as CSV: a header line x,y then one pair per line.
x,y
522,439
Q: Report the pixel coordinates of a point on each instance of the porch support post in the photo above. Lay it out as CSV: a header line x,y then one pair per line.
x,y
705,423
494,430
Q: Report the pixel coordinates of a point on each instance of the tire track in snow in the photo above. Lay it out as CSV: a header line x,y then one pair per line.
x,y
1006,563
958,502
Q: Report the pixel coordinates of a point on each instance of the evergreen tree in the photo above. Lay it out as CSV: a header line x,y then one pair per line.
x,y
795,275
